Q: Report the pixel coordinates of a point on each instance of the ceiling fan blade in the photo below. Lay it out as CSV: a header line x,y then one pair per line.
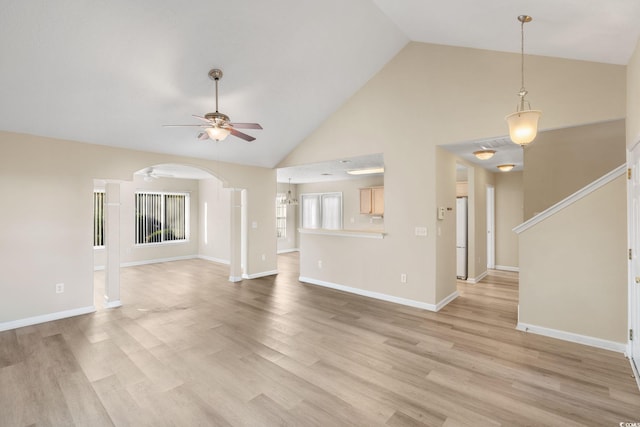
x,y
182,126
202,136
246,125
241,135
204,119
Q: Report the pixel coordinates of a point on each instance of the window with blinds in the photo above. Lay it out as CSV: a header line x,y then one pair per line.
x,y
98,218
322,210
161,217
281,216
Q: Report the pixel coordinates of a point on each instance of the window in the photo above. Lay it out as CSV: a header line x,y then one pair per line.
x,y
98,218
322,210
161,217
281,216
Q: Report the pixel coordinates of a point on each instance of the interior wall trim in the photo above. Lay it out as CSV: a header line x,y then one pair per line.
x,y
258,275
568,201
286,251
28,321
381,296
213,259
507,268
475,280
572,337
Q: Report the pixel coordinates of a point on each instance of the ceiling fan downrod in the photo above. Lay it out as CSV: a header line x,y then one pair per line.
x,y
215,74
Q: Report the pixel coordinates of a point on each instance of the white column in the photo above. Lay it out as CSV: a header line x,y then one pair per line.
x,y
112,245
235,265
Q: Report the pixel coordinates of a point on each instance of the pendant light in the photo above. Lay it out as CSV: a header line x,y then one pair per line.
x,y
484,154
290,200
523,124
505,167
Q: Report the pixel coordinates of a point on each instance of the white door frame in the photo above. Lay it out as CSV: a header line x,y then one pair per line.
x,y
491,227
633,225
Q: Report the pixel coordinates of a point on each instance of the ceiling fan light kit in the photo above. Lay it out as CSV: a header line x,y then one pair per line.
x,y
217,125
523,124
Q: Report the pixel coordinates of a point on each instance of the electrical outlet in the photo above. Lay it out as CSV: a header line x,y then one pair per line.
x,y
264,257
320,263
403,278
59,288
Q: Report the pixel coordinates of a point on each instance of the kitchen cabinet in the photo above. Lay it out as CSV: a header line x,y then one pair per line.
x,y
372,201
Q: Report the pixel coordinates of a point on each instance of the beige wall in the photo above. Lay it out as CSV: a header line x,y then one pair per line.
x,y
42,247
633,98
445,228
573,268
289,243
216,246
562,161
508,214
424,92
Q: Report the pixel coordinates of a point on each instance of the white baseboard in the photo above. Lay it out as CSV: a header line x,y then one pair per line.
x,y
212,259
571,337
235,279
636,374
113,304
156,261
159,260
381,296
477,279
286,251
447,300
508,268
20,323
261,274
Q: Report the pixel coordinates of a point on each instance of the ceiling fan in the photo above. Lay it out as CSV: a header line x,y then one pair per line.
x,y
150,174
218,126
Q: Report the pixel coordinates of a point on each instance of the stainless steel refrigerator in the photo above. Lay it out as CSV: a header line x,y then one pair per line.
x,y
461,237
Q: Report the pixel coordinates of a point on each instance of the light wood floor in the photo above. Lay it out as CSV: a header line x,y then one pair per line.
x,y
189,348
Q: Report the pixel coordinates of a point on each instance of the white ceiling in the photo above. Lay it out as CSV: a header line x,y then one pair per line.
x,y
113,72
335,170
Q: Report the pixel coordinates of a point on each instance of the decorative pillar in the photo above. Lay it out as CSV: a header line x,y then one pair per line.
x,y
235,265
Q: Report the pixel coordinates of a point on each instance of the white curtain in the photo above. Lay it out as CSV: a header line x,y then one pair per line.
x,y
311,211
322,211
332,211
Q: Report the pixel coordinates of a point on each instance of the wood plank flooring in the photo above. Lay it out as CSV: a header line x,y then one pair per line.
x,y
189,348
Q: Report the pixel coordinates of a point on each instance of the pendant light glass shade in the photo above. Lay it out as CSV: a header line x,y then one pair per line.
x,y
484,154
523,126
505,168
217,133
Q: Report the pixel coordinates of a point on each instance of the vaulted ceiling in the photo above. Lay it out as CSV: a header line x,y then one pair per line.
x,y
113,72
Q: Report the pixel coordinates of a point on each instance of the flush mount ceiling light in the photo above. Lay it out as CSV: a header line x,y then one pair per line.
x,y
484,154
523,124
505,168
367,171
290,200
